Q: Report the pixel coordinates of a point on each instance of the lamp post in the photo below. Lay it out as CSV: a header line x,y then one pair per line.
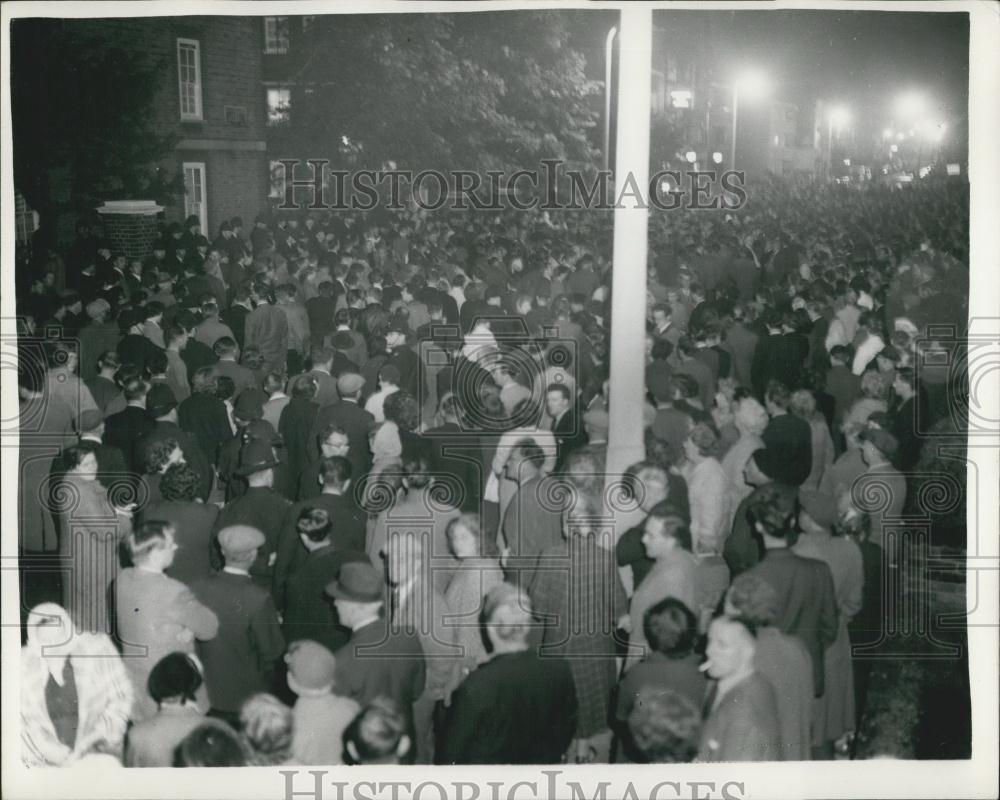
x,y
608,47
752,83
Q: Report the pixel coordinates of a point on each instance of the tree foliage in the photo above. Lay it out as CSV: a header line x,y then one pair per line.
x,y
83,117
462,91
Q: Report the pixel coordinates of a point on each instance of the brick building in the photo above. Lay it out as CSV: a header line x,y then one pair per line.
x,y
210,97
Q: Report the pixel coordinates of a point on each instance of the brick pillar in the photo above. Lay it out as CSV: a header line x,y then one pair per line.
x,y
130,226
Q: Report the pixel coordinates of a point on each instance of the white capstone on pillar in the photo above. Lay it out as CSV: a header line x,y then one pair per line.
x,y
628,292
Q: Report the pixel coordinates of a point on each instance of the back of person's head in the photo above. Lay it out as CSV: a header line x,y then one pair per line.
x,y
157,363
180,482
753,600
771,510
777,394
211,744
175,677
685,385
670,628
266,725
665,727
840,353
417,468
315,524
335,471
203,381
134,389
146,537
273,382
803,404
224,347
377,735
158,454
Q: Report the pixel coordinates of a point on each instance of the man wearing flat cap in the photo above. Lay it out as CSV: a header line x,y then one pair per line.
x,y
349,416
241,660
260,506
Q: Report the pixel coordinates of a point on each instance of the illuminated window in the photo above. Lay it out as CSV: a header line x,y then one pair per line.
x,y
275,36
279,101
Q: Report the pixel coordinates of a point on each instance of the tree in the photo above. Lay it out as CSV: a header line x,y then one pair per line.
x,y
82,114
449,91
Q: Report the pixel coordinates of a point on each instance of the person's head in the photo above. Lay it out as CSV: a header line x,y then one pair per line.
x,y
211,744
701,443
840,354
402,408
418,472
335,474
108,363
506,618
321,356
180,482
315,528
803,404
135,390
239,545
311,668
665,531
175,679
377,735
334,442
204,381
671,628
152,545
465,536
225,348
557,399
80,461
266,727
874,385
771,511
357,593
750,418
526,461
664,726
649,483
661,314
161,455
777,398
175,337
730,650
753,600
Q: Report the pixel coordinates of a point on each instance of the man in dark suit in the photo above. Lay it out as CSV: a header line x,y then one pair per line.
x,y
193,522
260,507
127,428
308,613
567,428
240,661
778,356
804,586
789,435
741,342
493,712
349,416
377,660
236,315
337,500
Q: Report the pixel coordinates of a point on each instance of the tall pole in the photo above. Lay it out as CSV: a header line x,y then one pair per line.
x,y
628,289
608,45
736,108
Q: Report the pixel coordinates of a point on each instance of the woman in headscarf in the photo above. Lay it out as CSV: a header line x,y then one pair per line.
x,y
75,695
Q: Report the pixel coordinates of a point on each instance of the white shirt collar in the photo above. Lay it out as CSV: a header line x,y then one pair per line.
x,y
236,571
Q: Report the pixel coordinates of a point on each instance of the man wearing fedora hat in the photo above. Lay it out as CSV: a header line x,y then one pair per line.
x,y
379,659
241,659
260,506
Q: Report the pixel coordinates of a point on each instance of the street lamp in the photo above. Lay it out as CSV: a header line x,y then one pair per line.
x,y
837,118
751,84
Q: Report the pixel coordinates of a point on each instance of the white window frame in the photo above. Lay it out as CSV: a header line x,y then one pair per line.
x,y
195,46
273,44
274,116
203,186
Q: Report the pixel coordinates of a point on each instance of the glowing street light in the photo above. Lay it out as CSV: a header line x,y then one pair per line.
x,y
752,84
717,157
840,117
691,156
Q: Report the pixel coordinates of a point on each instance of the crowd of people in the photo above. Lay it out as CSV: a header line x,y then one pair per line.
x,y
331,489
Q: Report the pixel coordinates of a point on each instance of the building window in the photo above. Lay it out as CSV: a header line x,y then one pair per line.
x,y
275,36
236,115
189,78
279,101
195,199
277,181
